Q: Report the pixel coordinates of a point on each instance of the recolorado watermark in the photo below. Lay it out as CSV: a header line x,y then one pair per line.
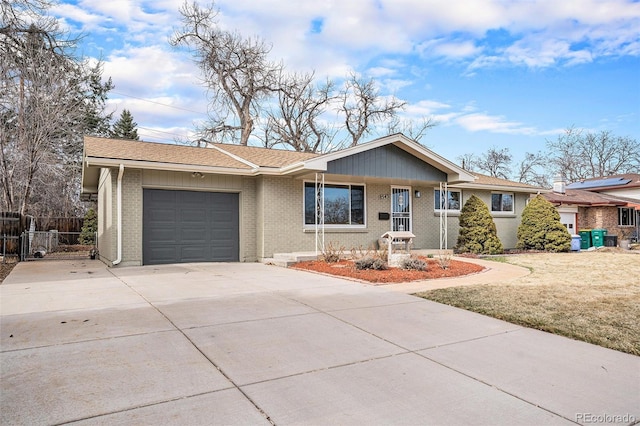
x,y
605,418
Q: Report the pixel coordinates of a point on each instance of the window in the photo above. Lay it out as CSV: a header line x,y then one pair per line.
x,y
625,216
343,204
501,202
453,200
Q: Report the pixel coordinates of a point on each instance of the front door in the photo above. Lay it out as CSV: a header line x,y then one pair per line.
x,y
400,208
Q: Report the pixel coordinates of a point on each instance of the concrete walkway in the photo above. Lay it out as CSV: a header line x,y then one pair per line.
x,y
258,344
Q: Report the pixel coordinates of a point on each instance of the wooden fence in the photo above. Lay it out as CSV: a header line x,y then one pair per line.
x,y
14,224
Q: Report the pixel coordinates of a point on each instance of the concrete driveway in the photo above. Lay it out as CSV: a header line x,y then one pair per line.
x,y
258,344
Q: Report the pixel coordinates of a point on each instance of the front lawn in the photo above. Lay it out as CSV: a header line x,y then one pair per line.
x,y
589,296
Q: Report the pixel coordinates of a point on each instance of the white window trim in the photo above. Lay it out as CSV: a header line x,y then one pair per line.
x,y
448,210
335,226
503,212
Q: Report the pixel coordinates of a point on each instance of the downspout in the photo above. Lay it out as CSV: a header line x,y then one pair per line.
x,y
119,215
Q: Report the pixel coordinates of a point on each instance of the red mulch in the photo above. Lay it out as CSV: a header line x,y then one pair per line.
x,y
345,268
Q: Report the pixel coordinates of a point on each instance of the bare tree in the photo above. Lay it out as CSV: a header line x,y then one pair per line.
x,y
468,161
363,107
236,71
411,128
495,162
296,120
44,104
579,155
532,170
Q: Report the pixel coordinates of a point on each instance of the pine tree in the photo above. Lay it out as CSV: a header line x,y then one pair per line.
x,y
125,127
478,233
541,229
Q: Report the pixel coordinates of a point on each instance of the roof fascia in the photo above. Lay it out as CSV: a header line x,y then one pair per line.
x,y
500,188
174,167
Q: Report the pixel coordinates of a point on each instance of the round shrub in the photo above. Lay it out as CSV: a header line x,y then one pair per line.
x,y
541,229
414,263
369,262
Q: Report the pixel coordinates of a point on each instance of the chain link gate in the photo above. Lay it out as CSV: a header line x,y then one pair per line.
x,y
54,245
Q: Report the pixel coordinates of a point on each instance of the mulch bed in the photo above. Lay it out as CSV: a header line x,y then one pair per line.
x,y
345,268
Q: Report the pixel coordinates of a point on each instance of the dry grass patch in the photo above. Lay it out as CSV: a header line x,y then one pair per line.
x,y
589,296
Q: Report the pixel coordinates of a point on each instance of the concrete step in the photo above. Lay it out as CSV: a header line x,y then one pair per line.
x,y
278,262
288,259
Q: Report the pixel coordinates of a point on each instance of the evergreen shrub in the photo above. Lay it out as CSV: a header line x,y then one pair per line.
x,y
541,228
478,233
89,228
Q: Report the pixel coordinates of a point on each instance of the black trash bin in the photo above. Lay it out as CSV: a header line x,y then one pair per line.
x,y
611,241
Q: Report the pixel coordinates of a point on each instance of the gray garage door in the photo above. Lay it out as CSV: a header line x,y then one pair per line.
x,y
189,226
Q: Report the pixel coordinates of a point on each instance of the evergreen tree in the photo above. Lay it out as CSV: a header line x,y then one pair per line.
x,y
89,227
97,121
478,232
541,229
125,127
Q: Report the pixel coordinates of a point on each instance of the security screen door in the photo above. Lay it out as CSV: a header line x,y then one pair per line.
x,y
400,208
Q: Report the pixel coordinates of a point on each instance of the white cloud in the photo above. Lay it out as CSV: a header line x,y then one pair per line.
x,y
425,108
151,70
378,72
393,85
477,122
457,49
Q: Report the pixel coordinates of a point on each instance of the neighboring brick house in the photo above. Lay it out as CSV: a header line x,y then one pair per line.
x,y
161,203
611,203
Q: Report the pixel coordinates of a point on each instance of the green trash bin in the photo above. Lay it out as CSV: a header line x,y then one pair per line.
x,y
597,237
585,238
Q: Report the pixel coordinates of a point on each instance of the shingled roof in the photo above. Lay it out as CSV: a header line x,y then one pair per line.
x,y
494,181
252,161
264,157
582,197
158,153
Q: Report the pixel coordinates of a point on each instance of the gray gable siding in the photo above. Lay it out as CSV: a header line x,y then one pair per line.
x,y
387,161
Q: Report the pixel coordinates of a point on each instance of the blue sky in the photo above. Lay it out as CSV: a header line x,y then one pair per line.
x,y
492,73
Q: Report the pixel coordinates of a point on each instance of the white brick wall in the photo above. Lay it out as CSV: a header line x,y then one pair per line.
x,y
271,214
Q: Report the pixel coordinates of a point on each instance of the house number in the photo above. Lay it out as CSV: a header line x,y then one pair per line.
x,y
384,196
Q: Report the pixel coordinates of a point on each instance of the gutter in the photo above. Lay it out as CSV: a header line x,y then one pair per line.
x,y
119,215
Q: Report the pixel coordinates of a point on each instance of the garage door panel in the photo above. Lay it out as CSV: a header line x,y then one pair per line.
x,y
194,215
162,197
164,254
192,236
192,197
159,214
190,226
223,256
163,235
195,253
